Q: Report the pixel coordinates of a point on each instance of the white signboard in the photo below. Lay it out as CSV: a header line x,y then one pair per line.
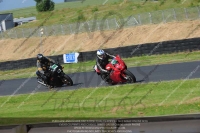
x,y
70,57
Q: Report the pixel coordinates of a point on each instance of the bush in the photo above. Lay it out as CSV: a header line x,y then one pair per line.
x,y
95,9
162,2
44,5
115,3
177,1
81,16
111,13
195,3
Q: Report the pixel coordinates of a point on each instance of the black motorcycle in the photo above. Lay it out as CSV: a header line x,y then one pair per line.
x,y
56,77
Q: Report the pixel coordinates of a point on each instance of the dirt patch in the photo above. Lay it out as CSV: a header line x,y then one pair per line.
x,y
195,99
114,110
54,45
141,114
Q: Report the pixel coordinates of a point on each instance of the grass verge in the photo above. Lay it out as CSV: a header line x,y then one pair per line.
x,y
132,100
88,66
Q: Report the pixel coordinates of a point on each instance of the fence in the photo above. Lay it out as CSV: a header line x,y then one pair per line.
x,y
156,17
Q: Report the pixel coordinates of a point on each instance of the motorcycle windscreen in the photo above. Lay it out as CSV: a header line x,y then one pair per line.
x,y
114,61
54,70
53,67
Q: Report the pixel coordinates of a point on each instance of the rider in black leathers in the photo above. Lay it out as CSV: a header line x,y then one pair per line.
x,y
43,64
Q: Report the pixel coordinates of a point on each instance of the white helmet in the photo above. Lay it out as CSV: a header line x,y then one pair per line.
x,y
100,54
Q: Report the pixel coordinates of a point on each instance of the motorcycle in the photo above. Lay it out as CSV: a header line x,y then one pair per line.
x,y
56,76
118,72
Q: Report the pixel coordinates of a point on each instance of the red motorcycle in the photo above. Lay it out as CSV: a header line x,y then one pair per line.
x,y
118,74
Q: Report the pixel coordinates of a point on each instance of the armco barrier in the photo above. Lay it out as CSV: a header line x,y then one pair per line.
x,y
165,47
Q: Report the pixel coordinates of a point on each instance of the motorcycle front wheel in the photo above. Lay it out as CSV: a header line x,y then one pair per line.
x,y
129,77
67,80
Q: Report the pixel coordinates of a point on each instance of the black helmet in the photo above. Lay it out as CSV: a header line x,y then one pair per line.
x,y
40,57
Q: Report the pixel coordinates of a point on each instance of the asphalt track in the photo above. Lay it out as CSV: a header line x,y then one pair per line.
x,y
188,123
185,126
189,126
187,70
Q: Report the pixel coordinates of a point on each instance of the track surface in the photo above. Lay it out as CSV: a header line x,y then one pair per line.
x,y
181,126
190,126
91,79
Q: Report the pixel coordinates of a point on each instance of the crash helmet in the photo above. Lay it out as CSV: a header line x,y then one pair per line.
x,y
40,57
100,54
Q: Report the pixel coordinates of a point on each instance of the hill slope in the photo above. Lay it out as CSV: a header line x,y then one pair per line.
x,y
14,49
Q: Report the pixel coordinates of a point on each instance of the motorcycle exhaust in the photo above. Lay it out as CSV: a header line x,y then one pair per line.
x,y
42,83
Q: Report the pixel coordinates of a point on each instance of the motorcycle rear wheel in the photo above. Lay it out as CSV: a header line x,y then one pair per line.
x,y
67,80
130,77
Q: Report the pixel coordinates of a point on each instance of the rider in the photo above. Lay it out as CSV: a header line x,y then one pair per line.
x,y
102,61
42,65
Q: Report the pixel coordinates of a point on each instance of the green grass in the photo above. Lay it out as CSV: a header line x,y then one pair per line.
x,y
88,66
31,11
69,12
152,99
